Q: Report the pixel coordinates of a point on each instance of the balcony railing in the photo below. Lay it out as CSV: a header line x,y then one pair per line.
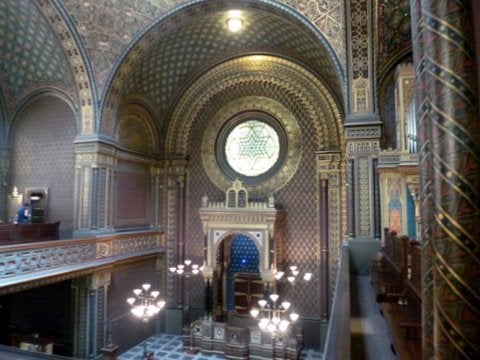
x,y
33,261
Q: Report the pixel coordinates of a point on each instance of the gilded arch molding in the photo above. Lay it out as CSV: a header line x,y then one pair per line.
x,y
315,98
287,121
135,128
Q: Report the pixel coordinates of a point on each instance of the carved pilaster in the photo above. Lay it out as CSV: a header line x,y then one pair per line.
x,y
176,178
90,307
413,186
95,166
332,222
4,170
362,147
404,94
157,186
360,63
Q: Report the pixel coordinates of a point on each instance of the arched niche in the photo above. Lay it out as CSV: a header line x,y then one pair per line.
x,y
260,221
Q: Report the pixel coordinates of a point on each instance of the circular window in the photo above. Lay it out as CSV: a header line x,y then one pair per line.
x,y
251,148
254,140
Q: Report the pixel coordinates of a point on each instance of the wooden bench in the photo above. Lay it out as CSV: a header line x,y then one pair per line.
x,y
396,276
404,323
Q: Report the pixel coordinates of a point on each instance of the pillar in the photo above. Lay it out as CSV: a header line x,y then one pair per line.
x,y
175,230
449,133
90,307
362,123
156,185
94,199
331,222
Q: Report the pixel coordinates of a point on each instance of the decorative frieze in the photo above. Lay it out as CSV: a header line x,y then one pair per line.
x,y
60,257
364,132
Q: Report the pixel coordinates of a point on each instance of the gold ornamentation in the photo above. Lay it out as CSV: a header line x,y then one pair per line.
x,y
279,112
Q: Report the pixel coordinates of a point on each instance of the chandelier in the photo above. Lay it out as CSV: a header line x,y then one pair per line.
x,y
294,272
144,304
274,316
182,269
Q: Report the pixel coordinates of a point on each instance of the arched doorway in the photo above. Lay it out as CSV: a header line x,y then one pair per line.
x,y
238,284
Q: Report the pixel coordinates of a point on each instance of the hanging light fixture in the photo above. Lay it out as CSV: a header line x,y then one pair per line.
x,y
144,304
273,316
294,272
234,21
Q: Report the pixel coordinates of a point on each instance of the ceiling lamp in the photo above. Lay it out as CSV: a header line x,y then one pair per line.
x,y
234,24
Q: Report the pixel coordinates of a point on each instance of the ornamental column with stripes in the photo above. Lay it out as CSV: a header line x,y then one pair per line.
x,y
452,131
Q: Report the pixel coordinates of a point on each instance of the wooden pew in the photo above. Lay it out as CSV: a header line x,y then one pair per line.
x,y
397,278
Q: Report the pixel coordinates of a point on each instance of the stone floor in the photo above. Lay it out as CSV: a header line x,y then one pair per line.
x,y
167,347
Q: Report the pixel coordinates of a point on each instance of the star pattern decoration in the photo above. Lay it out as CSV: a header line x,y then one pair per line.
x,y
252,148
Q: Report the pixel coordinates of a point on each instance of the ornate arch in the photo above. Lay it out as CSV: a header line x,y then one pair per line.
x,y
81,68
135,129
43,92
325,44
314,97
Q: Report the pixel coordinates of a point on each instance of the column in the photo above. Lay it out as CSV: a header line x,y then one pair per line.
x,y
331,222
451,179
90,311
421,105
94,196
156,185
324,249
362,148
362,123
176,178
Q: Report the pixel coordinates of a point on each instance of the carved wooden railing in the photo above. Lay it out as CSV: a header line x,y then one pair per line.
x,y
28,263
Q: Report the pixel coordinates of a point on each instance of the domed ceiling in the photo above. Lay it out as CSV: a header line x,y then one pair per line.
x,y
30,52
180,47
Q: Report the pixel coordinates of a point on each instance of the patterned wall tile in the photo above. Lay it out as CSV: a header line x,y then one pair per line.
x,y
43,156
200,34
394,31
176,56
29,50
298,197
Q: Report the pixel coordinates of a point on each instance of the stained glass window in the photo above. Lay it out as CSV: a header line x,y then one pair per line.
x,y
252,148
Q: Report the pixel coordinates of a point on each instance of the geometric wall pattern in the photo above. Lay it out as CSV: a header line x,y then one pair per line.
x,y
177,54
29,50
42,156
394,32
95,19
298,197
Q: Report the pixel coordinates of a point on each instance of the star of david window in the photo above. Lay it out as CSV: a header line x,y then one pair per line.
x,y
251,148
